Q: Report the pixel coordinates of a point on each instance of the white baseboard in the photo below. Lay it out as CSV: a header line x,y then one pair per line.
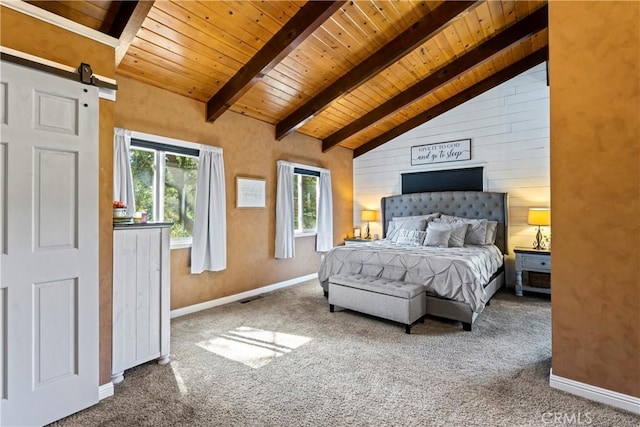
x,y
105,390
238,297
598,394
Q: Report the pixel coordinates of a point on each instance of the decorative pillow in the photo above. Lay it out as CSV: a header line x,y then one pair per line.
x,y
437,237
456,237
492,231
411,237
398,224
476,232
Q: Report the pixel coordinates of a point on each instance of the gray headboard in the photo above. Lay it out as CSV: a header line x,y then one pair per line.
x,y
467,204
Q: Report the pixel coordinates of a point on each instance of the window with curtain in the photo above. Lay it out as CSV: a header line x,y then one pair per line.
x,y
305,201
304,205
164,184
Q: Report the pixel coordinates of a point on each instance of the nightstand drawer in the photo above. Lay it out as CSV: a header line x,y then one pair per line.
x,y
536,262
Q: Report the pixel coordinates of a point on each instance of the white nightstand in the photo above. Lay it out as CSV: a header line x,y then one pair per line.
x,y
355,241
538,260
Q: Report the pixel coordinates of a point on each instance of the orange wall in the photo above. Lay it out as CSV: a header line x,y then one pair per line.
x,y
29,35
595,192
250,150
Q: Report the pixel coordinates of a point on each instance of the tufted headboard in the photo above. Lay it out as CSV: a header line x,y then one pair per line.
x,y
467,204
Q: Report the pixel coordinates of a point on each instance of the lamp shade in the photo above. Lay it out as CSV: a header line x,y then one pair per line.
x,y
539,216
369,215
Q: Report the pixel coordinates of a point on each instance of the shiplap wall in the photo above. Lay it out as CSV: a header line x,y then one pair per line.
x,y
509,131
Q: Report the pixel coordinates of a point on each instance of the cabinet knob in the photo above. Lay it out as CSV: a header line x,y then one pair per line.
x,y
542,263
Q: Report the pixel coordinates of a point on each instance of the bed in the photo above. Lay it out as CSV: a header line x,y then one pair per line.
x,y
459,281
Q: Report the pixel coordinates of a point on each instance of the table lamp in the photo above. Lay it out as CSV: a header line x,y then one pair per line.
x,y
368,216
540,217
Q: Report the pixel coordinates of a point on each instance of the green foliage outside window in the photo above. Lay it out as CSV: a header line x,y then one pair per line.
x,y
181,174
305,197
142,171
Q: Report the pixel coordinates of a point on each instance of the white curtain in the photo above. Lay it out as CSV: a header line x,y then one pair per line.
x,y
324,238
122,180
285,242
209,249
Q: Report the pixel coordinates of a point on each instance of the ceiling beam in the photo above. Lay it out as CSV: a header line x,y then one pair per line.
x,y
400,46
295,31
127,23
479,88
523,29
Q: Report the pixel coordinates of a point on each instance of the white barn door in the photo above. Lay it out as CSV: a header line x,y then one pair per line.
x,y
48,246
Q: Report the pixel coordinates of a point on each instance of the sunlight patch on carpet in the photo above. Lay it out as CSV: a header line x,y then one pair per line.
x,y
179,380
253,347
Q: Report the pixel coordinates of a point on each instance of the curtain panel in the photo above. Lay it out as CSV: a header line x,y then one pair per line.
x,y
285,241
324,238
122,179
209,248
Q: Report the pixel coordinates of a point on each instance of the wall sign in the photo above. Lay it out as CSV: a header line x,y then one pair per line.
x,y
450,151
251,193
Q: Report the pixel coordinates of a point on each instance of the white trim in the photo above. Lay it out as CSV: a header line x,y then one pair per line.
x,y
59,21
105,390
598,394
50,63
238,297
108,94
182,243
165,140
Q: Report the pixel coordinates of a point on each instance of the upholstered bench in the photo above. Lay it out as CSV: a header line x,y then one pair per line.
x,y
389,299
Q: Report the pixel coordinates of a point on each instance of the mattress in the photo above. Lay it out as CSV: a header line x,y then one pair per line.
x,y
458,274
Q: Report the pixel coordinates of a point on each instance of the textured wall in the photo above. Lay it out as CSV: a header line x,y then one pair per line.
x,y
595,193
250,150
29,35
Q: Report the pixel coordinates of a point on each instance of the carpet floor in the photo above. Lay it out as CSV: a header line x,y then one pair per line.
x,y
283,360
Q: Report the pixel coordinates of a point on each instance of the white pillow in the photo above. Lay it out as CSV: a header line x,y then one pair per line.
x,y
456,237
476,232
411,237
398,224
492,231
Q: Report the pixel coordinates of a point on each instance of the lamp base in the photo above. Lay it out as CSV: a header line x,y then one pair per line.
x,y
368,232
539,243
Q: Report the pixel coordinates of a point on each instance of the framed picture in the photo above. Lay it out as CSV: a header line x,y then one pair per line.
x,y
356,232
250,193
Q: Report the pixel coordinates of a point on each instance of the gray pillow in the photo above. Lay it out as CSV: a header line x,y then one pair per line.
x,y
476,231
492,231
411,237
456,237
437,237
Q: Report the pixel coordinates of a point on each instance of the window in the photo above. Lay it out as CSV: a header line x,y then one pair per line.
x,y
305,201
164,184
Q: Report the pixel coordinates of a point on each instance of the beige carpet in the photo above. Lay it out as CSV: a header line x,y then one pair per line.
x,y
284,360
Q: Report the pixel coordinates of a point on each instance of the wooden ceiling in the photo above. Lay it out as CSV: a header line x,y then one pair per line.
x,y
354,74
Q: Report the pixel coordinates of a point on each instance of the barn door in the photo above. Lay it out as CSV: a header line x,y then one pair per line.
x,y
48,246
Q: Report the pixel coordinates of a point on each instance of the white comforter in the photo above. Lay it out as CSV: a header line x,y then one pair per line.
x,y
453,273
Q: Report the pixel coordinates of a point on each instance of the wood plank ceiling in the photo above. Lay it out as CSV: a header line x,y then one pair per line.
x,y
354,74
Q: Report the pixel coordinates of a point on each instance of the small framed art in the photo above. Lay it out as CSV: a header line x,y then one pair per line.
x,y
356,232
250,193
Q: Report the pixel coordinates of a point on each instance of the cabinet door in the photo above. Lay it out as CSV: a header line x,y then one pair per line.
x,y
136,297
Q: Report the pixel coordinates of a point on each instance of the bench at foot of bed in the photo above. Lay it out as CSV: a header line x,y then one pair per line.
x,y
389,299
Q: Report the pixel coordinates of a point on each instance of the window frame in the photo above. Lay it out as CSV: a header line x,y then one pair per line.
x,y
309,171
149,142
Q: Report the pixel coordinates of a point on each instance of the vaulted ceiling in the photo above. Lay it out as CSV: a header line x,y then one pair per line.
x,y
354,74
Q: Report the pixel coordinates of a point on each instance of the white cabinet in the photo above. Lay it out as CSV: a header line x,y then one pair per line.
x,y
141,269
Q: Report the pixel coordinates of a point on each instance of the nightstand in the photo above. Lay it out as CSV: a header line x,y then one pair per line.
x,y
355,241
538,260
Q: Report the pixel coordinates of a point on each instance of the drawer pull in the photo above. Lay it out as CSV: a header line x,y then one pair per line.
x,y
542,263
